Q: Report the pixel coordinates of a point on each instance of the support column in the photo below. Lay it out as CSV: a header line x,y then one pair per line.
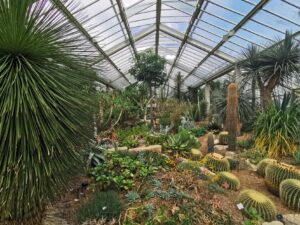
x,y
207,96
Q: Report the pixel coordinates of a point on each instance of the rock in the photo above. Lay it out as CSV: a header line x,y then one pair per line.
x,y
123,148
245,164
221,149
196,154
230,154
150,148
291,219
273,223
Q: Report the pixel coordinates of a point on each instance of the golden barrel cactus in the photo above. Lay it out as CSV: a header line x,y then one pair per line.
x,y
216,162
289,192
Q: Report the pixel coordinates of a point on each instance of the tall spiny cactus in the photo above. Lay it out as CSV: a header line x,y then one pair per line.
x,y
232,115
210,142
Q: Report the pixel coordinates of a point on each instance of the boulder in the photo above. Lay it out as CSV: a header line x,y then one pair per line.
x,y
230,154
150,148
221,149
245,164
273,223
291,219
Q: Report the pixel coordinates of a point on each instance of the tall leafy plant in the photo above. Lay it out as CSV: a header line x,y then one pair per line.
x,y
277,128
44,109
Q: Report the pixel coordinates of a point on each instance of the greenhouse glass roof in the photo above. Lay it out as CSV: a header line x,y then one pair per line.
x,y
200,39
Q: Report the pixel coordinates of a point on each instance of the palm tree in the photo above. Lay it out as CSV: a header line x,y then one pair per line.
x,y
45,92
275,66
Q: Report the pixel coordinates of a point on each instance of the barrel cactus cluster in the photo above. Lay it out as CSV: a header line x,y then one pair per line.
x,y
262,165
278,172
261,203
216,162
229,179
289,192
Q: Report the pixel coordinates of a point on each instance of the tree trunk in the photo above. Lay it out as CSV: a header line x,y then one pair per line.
x,y
151,109
253,89
266,97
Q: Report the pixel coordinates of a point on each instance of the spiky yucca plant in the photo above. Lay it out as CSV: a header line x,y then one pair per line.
x,y
278,172
45,89
289,193
229,179
261,203
216,162
261,166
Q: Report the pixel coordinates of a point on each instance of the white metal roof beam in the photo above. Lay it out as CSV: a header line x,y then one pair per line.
x,y
187,32
235,29
77,24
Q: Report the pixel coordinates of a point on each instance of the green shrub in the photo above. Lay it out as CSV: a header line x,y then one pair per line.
x,y
130,141
155,139
261,203
278,172
199,131
254,155
101,205
135,132
246,144
120,170
182,142
289,192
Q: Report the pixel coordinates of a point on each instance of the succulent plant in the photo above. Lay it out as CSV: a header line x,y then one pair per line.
x,y
223,138
210,142
277,172
232,120
261,166
196,154
289,192
261,203
216,162
229,179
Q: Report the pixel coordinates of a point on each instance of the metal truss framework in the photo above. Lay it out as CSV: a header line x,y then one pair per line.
x,y
202,39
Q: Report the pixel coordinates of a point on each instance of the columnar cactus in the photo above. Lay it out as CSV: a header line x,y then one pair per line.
x,y
278,172
289,192
261,203
216,162
229,179
232,115
210,142
223,138
261,166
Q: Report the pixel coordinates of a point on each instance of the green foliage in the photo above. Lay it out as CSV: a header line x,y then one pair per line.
x,y
223,138
197,111
155,139
254,217
213,187
216,162
254,155
132,196
46,107
297,157
198,131
278,172
261,203
182,142
193,166
289,193
245,144
149,68
279,123
262,165
229,179
120,170
129,136
101,205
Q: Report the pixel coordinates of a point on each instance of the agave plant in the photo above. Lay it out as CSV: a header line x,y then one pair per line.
x,y
44,108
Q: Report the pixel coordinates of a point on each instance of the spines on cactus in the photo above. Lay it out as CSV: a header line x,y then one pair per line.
x,y
229,179
232,115
262,165
216,162
210,142
277,172
223,138
261,203
289,192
